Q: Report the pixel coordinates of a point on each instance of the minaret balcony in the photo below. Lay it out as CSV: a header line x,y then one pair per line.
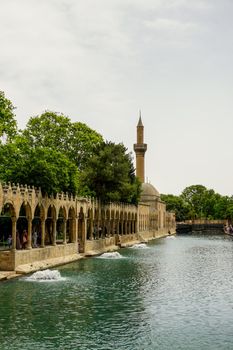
x,y
140,147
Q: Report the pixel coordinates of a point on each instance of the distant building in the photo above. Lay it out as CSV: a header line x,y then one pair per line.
x,y
160,220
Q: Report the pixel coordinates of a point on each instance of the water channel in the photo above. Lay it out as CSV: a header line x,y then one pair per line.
x,y
176,293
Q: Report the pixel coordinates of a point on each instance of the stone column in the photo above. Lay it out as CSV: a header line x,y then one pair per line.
x,y
14,223
103,229
91,229
113,227
73,230
29,243
42,233
64,231
75,236
54,232
108,227
84,234
97,229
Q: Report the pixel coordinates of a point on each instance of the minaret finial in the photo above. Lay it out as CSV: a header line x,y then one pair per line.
x,y
140,118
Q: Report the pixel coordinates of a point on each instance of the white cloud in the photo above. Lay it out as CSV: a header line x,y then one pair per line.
x,y
99,61
170,25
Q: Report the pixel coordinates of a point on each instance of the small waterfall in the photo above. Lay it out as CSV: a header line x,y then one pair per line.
x,y
111,255
45,276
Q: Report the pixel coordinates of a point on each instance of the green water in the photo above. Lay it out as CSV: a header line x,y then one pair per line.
x,y
177,294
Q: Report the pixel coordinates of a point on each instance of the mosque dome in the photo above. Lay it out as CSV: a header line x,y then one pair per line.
x,y
149,193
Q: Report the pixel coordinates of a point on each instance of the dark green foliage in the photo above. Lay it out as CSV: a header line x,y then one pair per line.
x,y
8,126
109,175
56,131
198,202
57,155
177,205
40,167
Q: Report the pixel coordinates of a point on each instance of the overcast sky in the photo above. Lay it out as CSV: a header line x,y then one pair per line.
x,y
100,61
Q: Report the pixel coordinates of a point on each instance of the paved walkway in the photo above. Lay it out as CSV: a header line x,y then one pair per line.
x,y
38,265
6,275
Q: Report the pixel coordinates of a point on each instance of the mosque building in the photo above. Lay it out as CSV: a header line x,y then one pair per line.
x,y
159,218
68,227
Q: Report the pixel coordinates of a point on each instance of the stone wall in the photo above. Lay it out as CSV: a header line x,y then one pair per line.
x,y
100,245
23,257
7,260
69,225
200,228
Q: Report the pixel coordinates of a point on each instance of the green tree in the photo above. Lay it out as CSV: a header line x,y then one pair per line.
x,y
109,175
198,202
40,167
229,211
224,208
209,201
195,197
8,125
177,205
56,131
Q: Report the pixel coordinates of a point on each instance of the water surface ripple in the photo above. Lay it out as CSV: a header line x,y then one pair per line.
x,y
178,294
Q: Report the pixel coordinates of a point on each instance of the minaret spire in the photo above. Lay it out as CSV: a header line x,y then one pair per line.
x,y
140,118
140,148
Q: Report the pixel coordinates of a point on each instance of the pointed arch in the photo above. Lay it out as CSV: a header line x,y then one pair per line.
x,y
7,216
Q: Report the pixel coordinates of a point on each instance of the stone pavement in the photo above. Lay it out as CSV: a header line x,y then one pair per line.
x,y
6,275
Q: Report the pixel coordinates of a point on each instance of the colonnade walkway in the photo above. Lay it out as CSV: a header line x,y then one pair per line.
x,y
34,227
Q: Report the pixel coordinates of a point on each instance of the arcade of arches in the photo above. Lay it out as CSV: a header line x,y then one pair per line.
x,y
33,227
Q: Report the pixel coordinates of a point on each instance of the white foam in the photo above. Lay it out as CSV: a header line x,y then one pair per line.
x,y
111,255
45,276
139,246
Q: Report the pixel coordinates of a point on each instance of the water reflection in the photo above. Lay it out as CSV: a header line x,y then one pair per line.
x,y
175,295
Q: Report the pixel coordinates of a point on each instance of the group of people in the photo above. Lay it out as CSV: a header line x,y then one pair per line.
x,y
22,240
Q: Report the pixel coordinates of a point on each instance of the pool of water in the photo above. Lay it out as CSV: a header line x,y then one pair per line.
x,y
176,293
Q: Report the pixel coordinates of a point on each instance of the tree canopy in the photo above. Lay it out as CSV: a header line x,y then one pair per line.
x,y
8,125
56,131
109,175
198,202
57,155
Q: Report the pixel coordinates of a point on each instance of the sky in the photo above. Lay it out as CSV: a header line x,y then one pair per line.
x,y
101,61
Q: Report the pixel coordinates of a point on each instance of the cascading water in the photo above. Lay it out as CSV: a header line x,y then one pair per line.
x,y
45,276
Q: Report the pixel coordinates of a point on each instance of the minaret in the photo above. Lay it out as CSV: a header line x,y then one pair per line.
x,y
140,149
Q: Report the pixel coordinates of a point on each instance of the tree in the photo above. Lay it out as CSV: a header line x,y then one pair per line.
x,y
224,208
209,200
8,125
194,196
177,205
41,167
198,202
109,175
56,131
